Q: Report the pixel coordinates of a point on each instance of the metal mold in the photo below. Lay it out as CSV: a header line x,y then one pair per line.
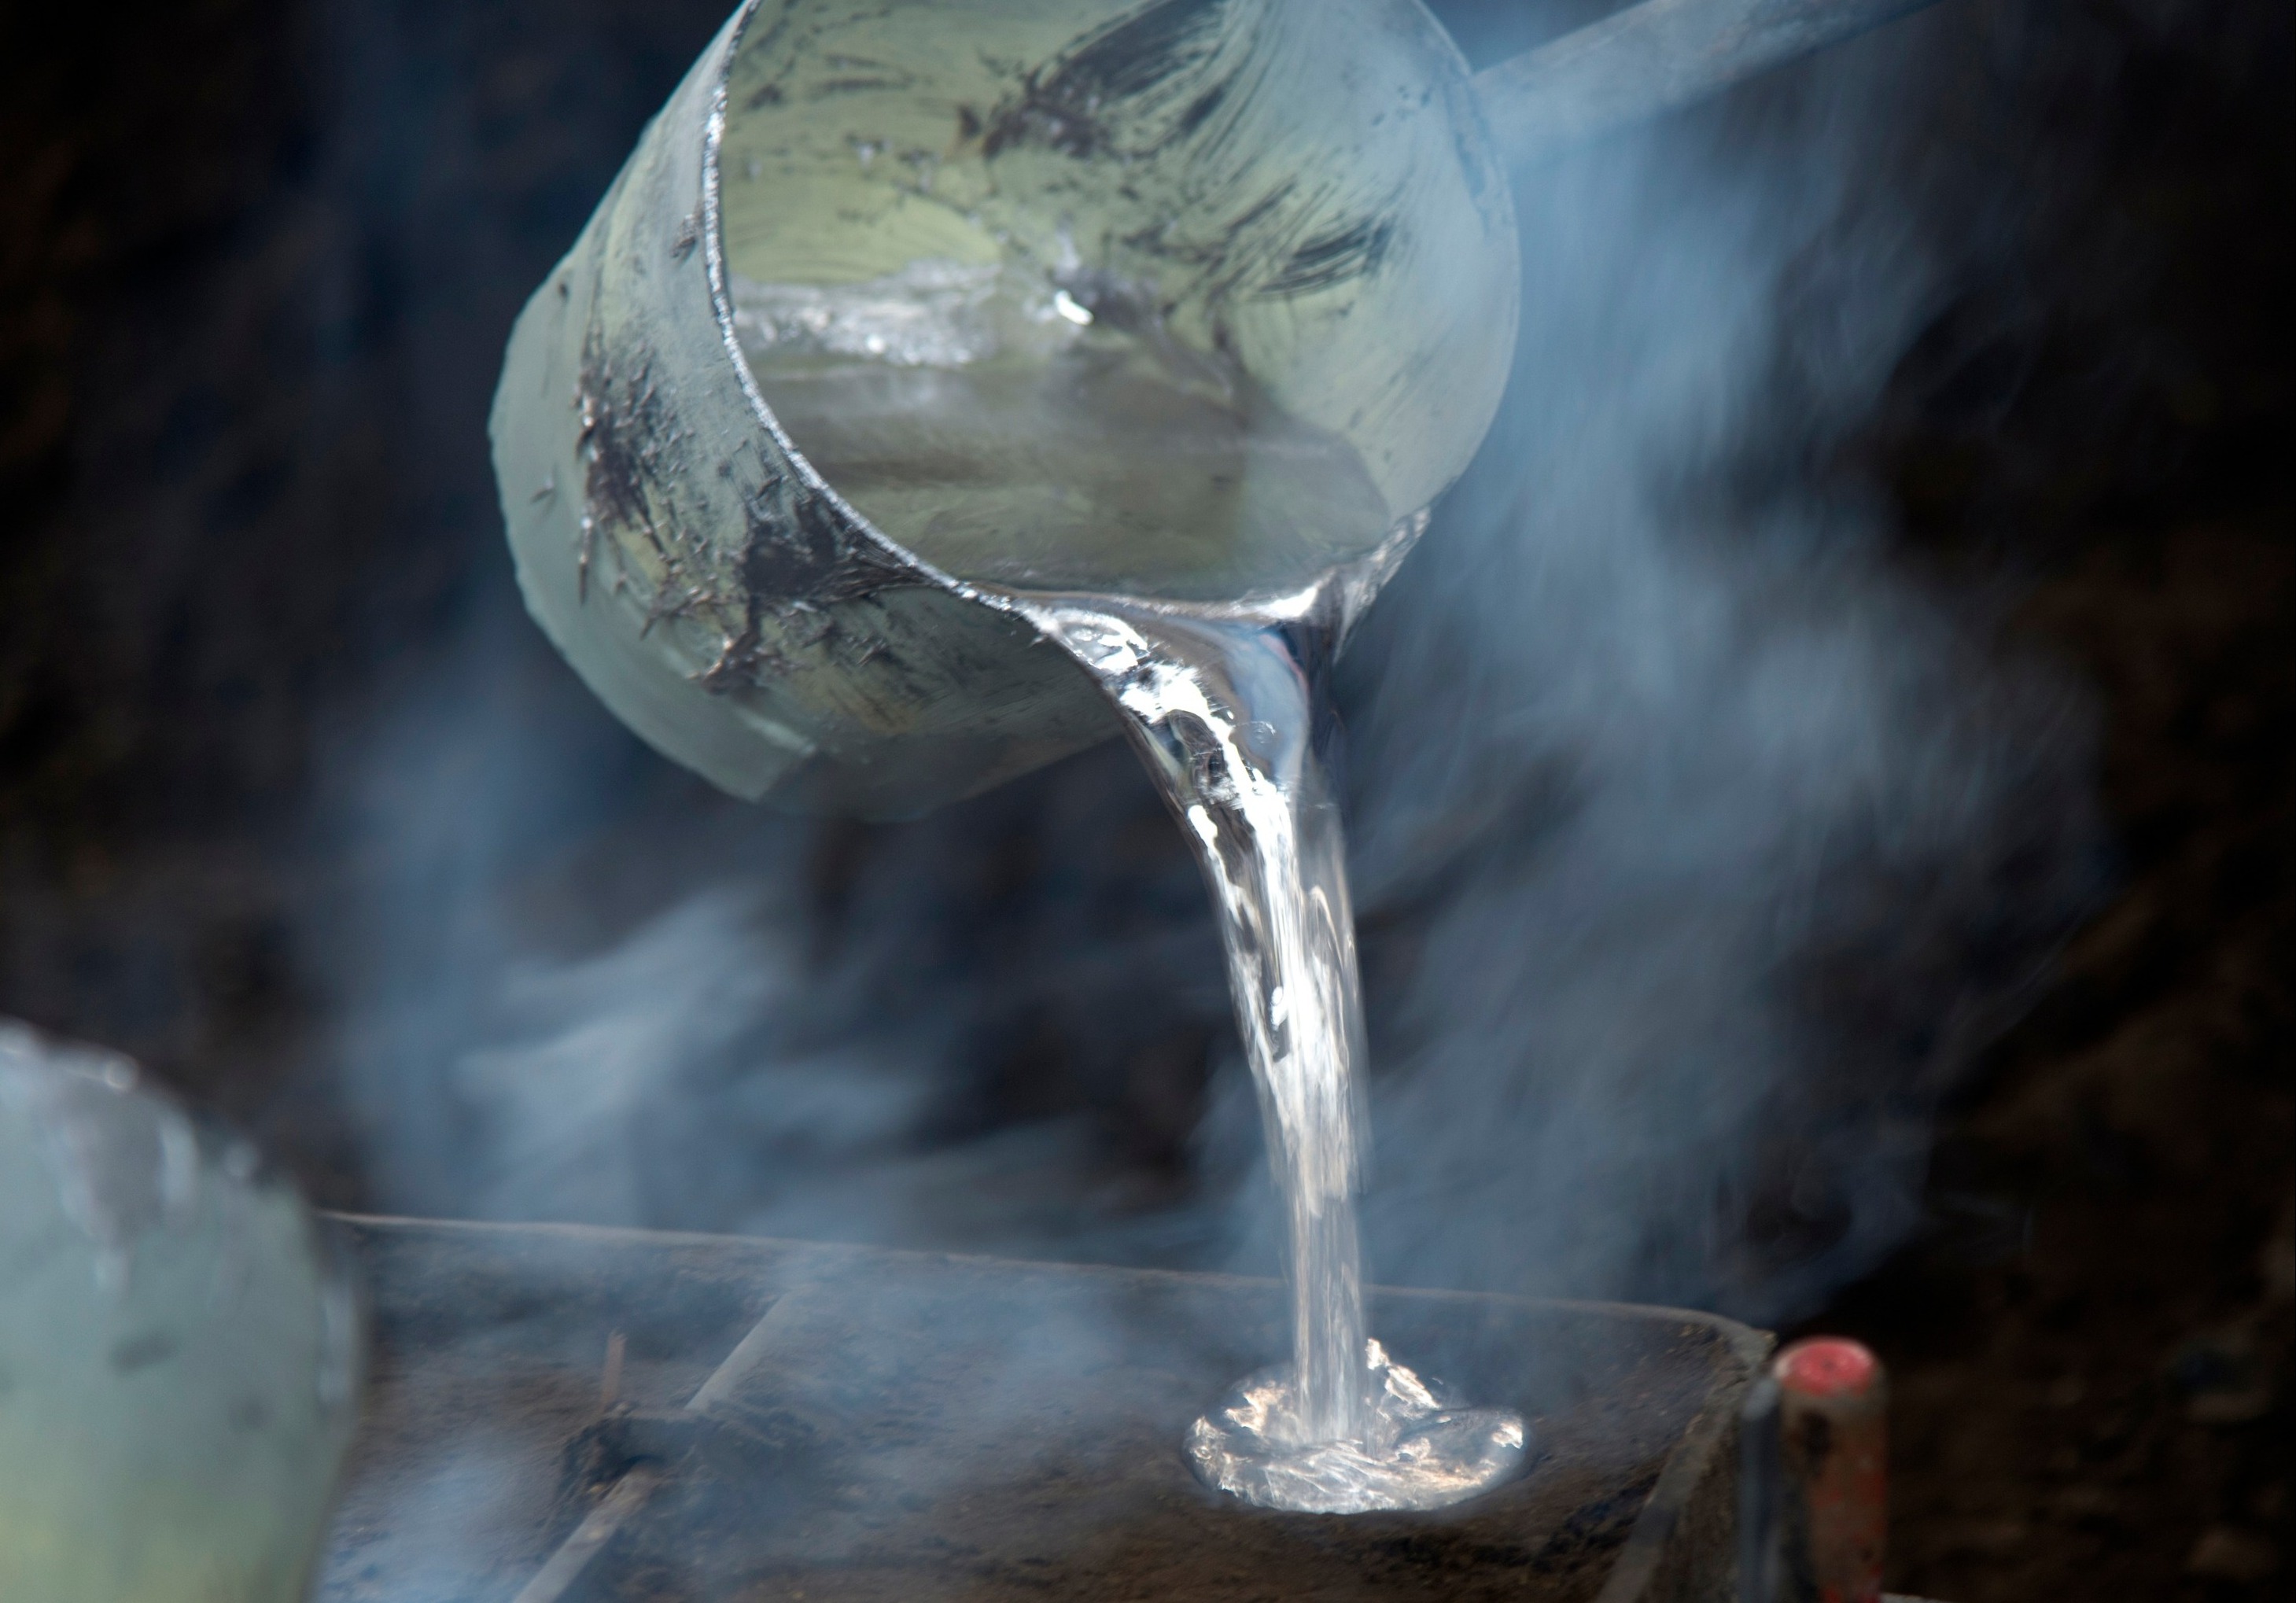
x,y
911,1426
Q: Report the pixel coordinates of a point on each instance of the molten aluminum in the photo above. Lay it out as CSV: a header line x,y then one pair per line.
x,y
1221,710
1419,1447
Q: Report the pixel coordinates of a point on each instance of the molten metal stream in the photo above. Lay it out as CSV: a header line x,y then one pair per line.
x,y
1221,712
1001,428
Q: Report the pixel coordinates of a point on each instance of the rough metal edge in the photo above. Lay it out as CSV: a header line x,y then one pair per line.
x,y
1696,1494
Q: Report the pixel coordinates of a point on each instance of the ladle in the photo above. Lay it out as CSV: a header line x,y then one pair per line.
x,y
1310,194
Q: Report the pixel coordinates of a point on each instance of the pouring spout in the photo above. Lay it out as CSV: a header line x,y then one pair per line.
x,y
1653,58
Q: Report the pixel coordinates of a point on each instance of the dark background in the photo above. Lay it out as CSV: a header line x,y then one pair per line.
x,y
247,338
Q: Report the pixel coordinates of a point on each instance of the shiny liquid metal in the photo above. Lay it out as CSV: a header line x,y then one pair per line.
x,y
1049,440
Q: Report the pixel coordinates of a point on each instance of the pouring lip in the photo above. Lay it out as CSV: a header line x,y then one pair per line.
x,y
1335,599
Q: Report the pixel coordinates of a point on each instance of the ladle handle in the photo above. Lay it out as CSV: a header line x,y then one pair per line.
x,y
1653,57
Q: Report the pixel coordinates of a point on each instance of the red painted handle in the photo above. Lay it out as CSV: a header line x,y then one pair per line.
x,y
1834,1448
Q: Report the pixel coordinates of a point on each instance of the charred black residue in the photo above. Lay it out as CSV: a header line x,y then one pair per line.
x,y
858,83
766,40
1354,251
626,438
785,556
796,557
622,420
1200,109
847,75
1223,257
1073,103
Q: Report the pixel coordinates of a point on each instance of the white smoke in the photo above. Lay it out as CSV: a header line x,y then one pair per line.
x,y
1688,829
1655,731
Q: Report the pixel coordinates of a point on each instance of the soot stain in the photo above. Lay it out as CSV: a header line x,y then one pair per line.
x,y
797,556
630,445
1075,103
1149,81
798,559
858,83
1354,251
623,423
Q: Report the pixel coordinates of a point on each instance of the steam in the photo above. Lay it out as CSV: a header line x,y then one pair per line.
x,y
1657,755
1698,847
740,1053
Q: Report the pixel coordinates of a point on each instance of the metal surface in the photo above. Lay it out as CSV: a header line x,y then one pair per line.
x,y
852,1424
